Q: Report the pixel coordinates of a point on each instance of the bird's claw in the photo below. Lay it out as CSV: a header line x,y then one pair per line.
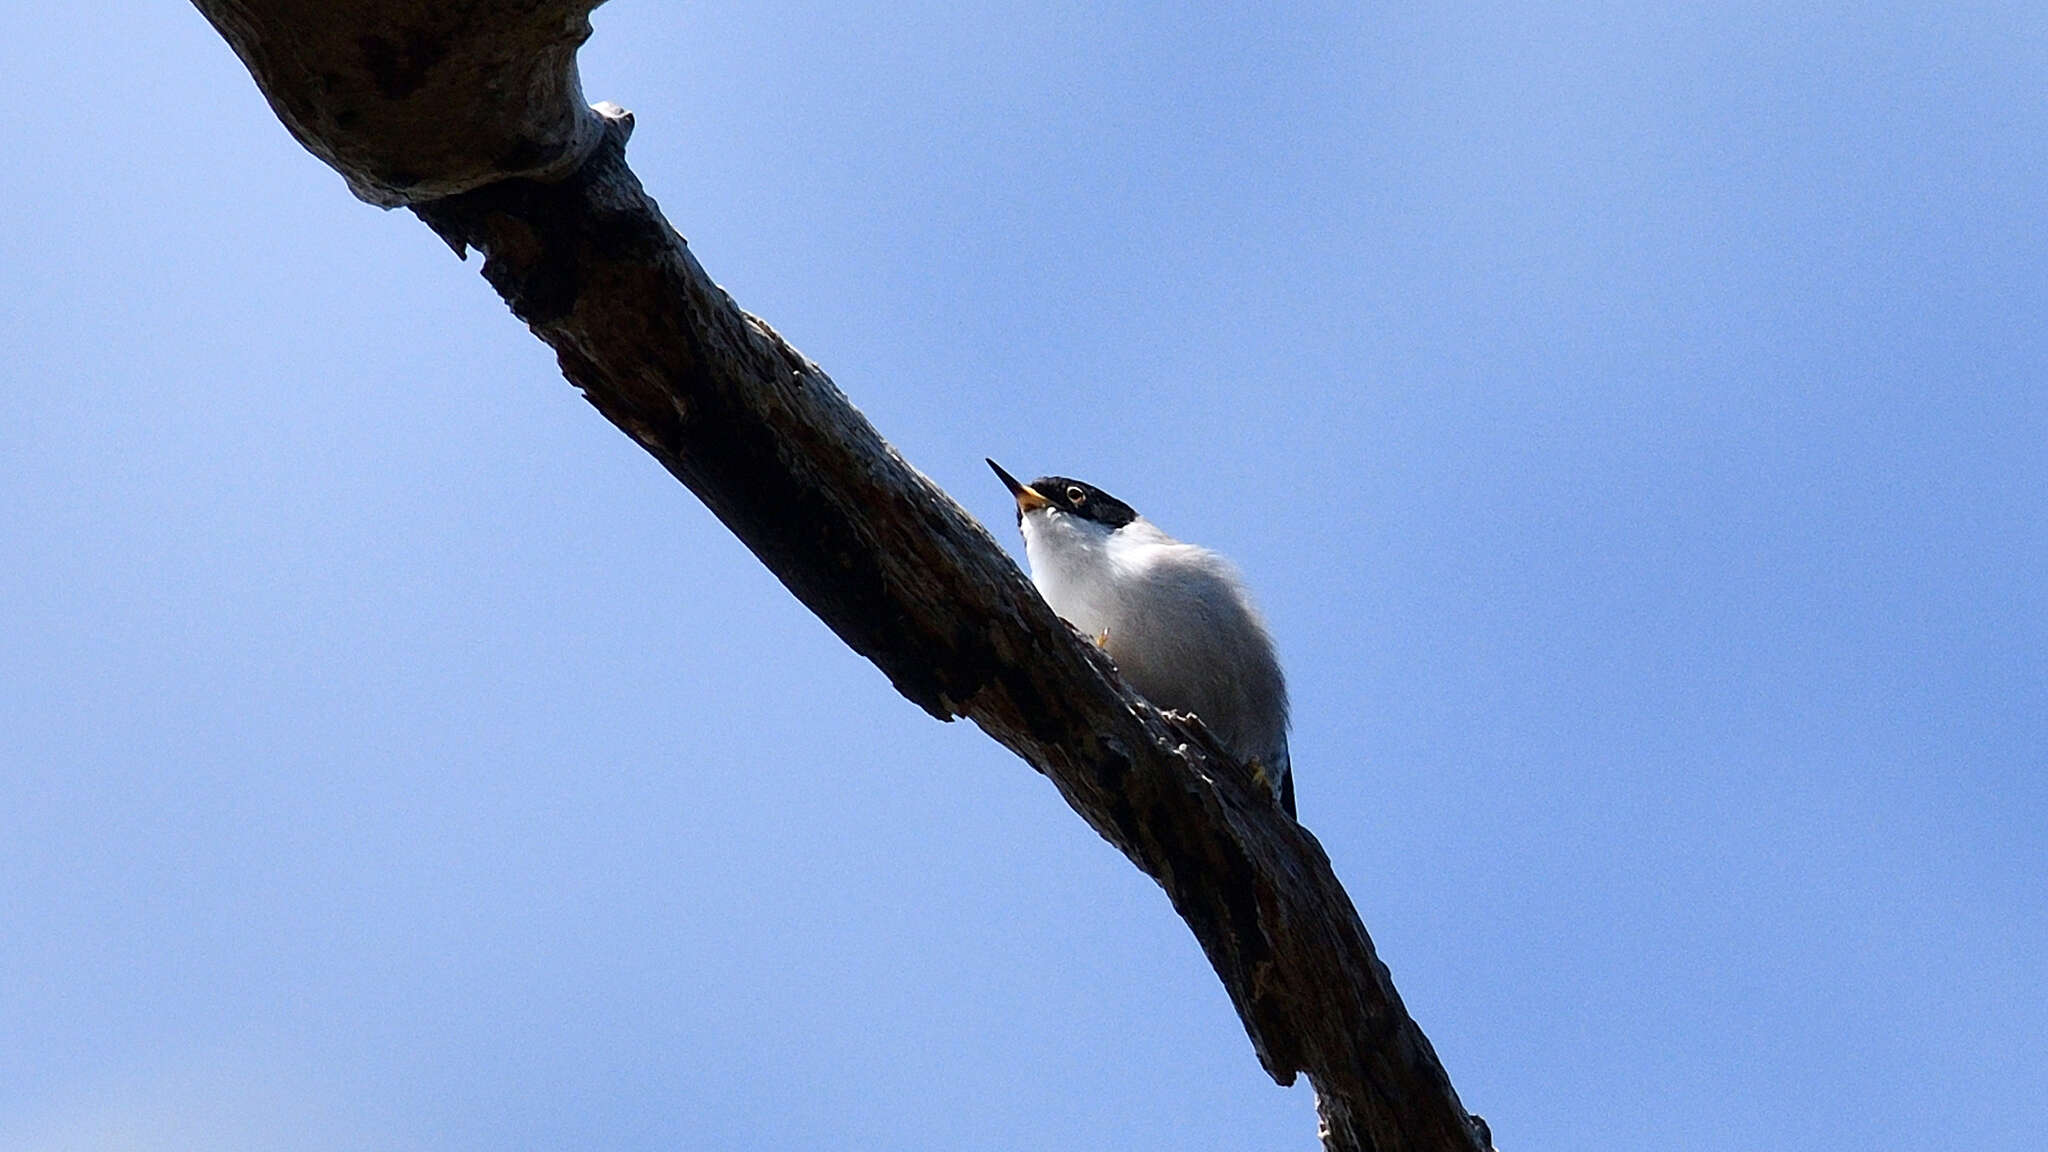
x,y
1264,779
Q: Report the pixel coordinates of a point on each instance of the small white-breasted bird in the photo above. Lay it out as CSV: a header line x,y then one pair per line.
x,y
1175,617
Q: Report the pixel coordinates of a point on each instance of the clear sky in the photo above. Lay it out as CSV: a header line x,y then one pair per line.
x,y
1635,423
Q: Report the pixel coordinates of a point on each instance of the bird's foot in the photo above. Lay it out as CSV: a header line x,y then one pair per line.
x,y
1102,639
1264,779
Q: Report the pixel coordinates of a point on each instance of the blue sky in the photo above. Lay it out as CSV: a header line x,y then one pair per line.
x,y
1633,422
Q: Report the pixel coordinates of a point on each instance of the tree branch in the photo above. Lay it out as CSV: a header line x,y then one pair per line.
x,y
898,570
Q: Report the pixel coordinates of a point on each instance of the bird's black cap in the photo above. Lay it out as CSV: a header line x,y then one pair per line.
x,y
1077,497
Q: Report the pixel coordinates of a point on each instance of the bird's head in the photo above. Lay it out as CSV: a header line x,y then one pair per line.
x,y
1062,496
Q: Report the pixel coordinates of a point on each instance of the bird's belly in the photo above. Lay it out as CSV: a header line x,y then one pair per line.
x,y
1163,672
1180,662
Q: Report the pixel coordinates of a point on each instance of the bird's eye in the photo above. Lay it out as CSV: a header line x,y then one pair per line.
x,y
1075,496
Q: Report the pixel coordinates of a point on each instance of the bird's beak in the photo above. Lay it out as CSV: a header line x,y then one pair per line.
x,y
1028,498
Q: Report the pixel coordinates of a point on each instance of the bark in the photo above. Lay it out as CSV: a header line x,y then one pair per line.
x,y
898,570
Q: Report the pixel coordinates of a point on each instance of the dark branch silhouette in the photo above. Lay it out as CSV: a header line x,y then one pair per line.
x,y
471,115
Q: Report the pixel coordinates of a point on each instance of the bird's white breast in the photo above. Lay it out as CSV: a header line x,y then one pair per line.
x,y
1073,568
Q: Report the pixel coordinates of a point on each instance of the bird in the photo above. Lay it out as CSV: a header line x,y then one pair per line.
x,y
1175,617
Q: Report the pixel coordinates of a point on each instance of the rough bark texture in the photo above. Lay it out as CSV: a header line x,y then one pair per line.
x,y
886,559
415,99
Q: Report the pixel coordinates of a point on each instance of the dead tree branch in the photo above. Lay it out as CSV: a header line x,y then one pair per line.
x,y
471,114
